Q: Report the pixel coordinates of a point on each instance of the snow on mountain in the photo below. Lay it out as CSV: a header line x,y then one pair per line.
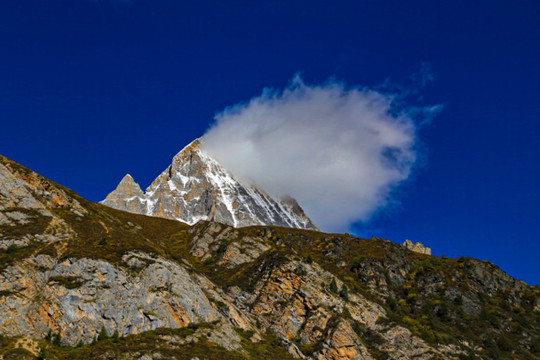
x,y
196,187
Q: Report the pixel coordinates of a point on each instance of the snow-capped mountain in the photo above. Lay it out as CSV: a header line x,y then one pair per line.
x,y
196,187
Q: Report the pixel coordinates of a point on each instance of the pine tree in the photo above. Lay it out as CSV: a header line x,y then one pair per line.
x,y
57,339
103,334
344,292
49,336
42,355
115,336
333,286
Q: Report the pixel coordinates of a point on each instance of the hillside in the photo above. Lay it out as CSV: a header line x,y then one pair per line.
x,y
81,280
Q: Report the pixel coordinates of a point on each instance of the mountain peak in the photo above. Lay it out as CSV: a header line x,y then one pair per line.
x,y
197,187
194,145
127,196
128,177
127,188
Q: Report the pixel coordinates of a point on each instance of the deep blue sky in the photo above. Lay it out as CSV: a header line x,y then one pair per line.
x,y
91,90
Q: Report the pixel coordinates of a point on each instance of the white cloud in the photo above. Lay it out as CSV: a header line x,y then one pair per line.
x,y
339,151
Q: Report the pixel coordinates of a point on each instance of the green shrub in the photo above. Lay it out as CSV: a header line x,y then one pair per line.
x,y
504,344
443,312
115,336
57,339
344,292
103,334
391,303
535,346
11,249
357,262
69,282
223,244
42,354
209,261
333,286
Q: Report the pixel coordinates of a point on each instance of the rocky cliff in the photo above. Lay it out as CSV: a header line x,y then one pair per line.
x,y
196,187
417,247
80,280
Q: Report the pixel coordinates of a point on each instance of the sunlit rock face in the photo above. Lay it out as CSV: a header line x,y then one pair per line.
x,y
127,196
417,247
196,187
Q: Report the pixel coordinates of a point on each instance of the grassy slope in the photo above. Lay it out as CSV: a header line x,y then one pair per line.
x,y
501,327
182,344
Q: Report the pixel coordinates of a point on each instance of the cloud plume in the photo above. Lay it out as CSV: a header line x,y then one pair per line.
x,y
340,151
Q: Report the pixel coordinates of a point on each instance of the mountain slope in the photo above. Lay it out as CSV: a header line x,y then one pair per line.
x,y
80,280
196,187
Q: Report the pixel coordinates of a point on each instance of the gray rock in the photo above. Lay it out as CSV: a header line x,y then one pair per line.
x,y
417,247
79,296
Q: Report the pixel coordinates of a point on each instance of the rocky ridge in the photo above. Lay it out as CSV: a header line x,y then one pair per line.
x,y
81,280
417,247
196,187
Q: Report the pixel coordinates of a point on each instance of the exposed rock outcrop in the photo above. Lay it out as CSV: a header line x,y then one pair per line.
x,y
196,187
78,297
417,247
127,196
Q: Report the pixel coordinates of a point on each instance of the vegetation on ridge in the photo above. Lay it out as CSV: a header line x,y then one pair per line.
x,y
444,301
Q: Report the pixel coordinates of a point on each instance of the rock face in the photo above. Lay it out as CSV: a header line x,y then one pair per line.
x,y
417,247
127,196
196,187
80,296
165,290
